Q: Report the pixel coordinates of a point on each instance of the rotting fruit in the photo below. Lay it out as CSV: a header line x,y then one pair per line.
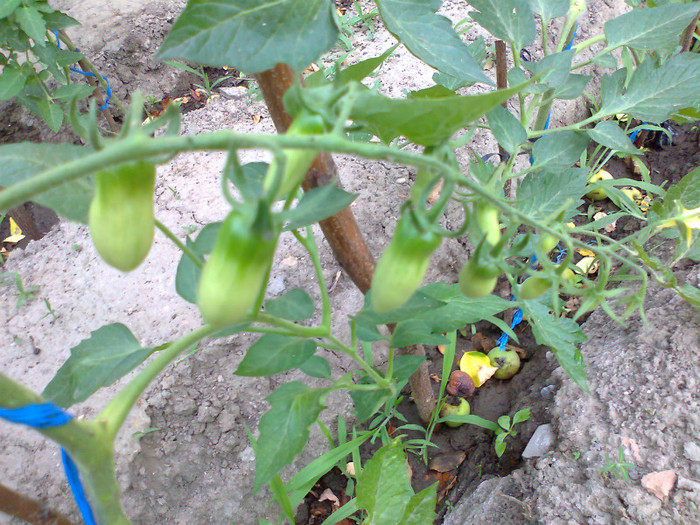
x,y
599,193
460,384
121,221
448,410
403,264
236,272
507,361
478,366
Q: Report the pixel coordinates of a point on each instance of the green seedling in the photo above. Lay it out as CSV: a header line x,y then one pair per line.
x,y
617,468
507,429
207,86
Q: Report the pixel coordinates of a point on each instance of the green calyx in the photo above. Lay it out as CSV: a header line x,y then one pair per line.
x,y
298,161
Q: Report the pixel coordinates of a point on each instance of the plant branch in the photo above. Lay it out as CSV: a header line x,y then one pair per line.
x,y
177,242
118,408
29,509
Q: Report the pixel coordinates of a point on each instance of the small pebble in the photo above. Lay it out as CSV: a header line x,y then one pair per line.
x,y
547,391
540,442
401,180
660,484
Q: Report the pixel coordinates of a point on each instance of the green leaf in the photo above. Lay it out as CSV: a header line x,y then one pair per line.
x,y
8,7
368,402
509,20
357,72
188,273
558,151
425,121
73,91
560,334
284,429
383,488
653,94
316,366
404,368
458,310
430,37
413,332
107,355
507,129
573,87
477,50
656,28
274,353
51,113
32,23
553,70
549,9
58,21
610,135
419,303
252,35
471,419
690,293
686,192
541,194
295,305
521,415
316,205
421,507
24,160
12,82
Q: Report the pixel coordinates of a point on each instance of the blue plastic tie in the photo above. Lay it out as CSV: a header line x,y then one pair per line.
x,y
47,415
89,74
573,37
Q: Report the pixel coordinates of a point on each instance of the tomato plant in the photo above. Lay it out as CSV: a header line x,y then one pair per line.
x,y
225,269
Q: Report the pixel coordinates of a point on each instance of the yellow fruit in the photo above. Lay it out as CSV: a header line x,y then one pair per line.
x,y
599,193
448,410
507,361
633,193
478,366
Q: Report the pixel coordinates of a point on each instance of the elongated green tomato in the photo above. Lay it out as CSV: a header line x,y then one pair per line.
x,y
121,214
487,218
403,264
236,272
298,160
477,281
534,287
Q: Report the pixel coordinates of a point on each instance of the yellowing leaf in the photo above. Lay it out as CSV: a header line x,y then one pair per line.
x,y
15,233
585,253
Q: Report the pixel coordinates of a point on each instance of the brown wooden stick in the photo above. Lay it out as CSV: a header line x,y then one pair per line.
x,y
687,40
341,230
28,509
502,83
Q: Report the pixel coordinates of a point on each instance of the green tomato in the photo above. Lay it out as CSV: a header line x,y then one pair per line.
x,y
534,287
403,264
448,410
547,242
477,281
508,362
487,219
121,219
298,161
236,272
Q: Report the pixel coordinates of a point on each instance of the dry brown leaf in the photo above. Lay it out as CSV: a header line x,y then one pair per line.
x,y
447,462
256,118
328,495
660,484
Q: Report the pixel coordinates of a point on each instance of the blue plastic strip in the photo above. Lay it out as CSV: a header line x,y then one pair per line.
x,y
573,37
108,96
37,416
73,477
47,415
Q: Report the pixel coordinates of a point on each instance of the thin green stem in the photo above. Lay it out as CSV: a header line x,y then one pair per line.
x,y
309,242
177,242
144,148
588,43
118,408
333,343
292,328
